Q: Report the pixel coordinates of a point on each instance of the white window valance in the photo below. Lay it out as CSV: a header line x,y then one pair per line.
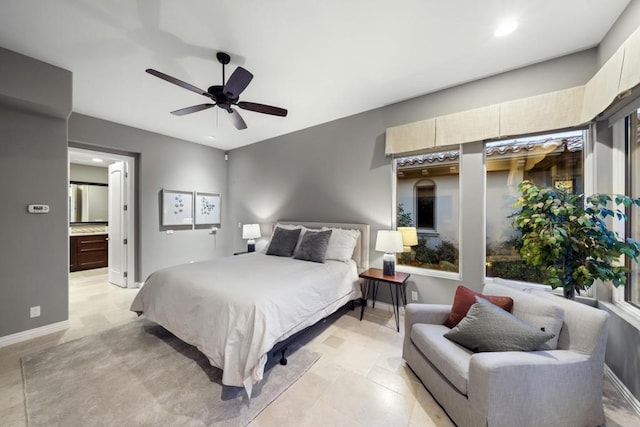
x,y
550,111
541,113
472,125
411,137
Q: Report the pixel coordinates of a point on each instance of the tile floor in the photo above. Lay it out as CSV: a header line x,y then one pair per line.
x,y
360,379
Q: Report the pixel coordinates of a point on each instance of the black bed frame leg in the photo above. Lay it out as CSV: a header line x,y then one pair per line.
x,y
283,360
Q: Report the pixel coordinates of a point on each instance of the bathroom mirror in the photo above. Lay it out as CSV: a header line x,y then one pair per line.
x,y
88,202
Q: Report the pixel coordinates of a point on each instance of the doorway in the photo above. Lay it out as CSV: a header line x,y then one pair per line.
x,y
116,174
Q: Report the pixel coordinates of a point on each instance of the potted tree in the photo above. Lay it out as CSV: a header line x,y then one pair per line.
x,y
566,235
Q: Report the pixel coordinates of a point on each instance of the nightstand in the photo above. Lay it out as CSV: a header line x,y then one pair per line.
x,y
372,277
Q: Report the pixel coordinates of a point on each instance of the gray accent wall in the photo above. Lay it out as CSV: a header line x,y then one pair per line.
x,y
35,101
163,162
338,171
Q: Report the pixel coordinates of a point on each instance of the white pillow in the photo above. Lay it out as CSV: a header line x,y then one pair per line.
x,y
341,243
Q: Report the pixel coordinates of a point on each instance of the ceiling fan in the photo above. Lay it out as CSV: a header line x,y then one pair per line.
x,y
224,96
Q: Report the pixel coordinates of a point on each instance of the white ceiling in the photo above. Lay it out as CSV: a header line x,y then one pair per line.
x,y
322,60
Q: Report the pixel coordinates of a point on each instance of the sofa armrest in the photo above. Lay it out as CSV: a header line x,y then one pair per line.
x,y
551,387
422,313
435,314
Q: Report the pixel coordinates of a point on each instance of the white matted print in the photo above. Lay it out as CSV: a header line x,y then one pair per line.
x,y
207,208
177,207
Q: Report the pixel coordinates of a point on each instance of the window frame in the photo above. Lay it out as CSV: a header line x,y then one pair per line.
x,y
419,271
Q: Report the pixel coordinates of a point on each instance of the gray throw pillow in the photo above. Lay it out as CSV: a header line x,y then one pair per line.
x,y
313,246
283,242
487,327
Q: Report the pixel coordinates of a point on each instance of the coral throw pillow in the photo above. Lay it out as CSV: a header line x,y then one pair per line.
x,y
465,298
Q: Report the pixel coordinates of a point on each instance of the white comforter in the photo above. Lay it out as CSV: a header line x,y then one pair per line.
x,y
235,309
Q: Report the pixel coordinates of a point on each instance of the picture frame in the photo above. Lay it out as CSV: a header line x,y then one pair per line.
x,y
177,207
207,208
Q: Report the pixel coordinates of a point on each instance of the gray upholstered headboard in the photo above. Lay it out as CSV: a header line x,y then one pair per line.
x,y
361,251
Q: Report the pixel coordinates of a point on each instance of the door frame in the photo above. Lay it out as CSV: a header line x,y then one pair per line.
x,y
132,194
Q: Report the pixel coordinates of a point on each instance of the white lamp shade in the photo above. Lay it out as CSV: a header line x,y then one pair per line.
x,y
389,241
409,236
251,231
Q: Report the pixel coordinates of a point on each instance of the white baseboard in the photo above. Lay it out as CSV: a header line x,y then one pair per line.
x,y
622,389
33,333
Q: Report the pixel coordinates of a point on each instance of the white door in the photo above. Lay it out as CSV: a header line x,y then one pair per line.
x,y
118,224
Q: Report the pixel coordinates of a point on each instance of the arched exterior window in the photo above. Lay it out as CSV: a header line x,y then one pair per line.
x,y
425,208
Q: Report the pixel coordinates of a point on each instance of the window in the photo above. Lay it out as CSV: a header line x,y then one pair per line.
x,y
428,188
632,143
553,159
425,204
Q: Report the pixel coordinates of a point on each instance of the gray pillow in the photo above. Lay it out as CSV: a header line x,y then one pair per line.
x,y
487,327
283,242
313,246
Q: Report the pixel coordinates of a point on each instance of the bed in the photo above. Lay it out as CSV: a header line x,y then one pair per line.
x,y
236,309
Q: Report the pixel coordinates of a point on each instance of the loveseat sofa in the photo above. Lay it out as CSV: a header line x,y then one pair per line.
x,y
559,387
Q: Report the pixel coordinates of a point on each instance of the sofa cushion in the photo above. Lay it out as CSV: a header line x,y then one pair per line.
x,y
487,327
465,298
450,359
534,309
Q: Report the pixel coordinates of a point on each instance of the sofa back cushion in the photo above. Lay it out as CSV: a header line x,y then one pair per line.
x,y
584,329
541,312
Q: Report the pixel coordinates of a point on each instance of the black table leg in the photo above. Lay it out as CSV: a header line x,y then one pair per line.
x,y
364,288
374,284
395,303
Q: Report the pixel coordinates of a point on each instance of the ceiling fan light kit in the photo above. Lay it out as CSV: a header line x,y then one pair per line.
x,y
225,96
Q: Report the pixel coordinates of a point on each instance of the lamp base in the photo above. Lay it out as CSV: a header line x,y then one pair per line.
x,y
389,264
251,245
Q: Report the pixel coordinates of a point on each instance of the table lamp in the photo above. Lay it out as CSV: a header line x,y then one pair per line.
x,y
251,232
389,242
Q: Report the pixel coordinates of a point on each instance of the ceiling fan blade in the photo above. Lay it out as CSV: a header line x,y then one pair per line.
x,y
262,108
177,82
236,119
192,109
238,82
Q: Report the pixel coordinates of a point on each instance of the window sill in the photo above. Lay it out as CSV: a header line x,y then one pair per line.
x,y
417,271
626,311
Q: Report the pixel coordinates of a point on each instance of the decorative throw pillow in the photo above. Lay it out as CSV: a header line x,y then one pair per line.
x,y
341,244
313,246
487,327
465,298
283,242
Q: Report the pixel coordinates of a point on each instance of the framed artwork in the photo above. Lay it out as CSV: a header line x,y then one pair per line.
x,y
177,207
207,208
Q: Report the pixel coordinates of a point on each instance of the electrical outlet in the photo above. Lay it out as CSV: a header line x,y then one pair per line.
x,y
35,311
414,296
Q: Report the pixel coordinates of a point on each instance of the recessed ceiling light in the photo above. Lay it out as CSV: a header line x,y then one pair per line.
x,y
506,27
97,160
211,137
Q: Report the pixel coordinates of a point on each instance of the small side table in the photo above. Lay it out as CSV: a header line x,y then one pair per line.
x,y
372,277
